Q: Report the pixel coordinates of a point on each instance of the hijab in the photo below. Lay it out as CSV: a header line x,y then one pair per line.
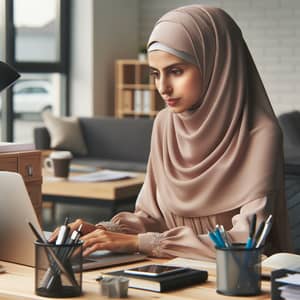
x,y
228,150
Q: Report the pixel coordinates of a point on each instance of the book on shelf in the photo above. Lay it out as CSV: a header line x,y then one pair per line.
x,y
127,100
16,147
164,283
138,101
146,101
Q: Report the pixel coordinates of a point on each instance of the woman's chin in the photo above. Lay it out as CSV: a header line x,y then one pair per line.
x,y
176,109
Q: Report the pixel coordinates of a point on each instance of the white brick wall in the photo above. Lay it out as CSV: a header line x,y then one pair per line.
x,y
272,31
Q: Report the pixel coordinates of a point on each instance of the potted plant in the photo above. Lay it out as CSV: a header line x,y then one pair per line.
x,y
142,53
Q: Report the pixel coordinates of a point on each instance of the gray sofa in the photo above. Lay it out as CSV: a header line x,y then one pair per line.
x,y
121,144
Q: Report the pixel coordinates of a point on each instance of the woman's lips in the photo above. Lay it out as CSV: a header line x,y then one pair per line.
x,y
172,101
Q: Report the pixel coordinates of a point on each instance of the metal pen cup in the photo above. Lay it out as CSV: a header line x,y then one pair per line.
x,y
238,270
58,270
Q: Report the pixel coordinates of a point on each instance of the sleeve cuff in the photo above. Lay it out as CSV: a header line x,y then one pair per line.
x,y
110,226
149,243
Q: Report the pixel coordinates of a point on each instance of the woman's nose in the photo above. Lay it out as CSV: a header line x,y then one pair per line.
x,y
164,86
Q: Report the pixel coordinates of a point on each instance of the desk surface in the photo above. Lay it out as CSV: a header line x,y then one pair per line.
x,y
109,190
18,283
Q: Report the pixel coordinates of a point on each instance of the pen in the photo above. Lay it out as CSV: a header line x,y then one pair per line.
x,y
53,255
219,237
76,234
225,237
73,240
258,233
65,253
214,239
249,243
36,233
265,232
63,233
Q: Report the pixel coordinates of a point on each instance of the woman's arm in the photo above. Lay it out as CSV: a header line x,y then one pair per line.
x,y
139,232
182,240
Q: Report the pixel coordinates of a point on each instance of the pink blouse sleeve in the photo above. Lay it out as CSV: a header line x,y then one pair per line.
x,y
158,241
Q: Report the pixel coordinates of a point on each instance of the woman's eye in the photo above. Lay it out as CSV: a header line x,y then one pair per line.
x,y
176,71
154,74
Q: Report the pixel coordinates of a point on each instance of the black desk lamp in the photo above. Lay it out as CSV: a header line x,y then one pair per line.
x,y
7,75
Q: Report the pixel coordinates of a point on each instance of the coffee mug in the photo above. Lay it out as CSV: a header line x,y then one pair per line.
x,y
58,163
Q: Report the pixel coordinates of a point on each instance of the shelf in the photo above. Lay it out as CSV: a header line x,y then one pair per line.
x,y
135,92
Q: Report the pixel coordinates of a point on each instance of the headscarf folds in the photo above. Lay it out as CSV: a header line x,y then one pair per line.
x,y
227,151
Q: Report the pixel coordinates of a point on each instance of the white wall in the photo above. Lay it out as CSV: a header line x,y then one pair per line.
x,y
81,62
105,30
272,31
102,31
115,36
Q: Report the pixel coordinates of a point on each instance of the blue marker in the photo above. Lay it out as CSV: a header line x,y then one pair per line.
x,y
249,243
219,237
214,239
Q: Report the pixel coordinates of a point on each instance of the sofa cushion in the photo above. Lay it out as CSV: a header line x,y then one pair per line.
x,y
121,144
117,139
65,133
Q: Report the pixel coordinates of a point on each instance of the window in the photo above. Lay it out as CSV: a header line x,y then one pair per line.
x,y
33,28
37,45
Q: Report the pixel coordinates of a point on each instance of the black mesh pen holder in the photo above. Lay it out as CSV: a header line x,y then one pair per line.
x,y
58,270
239,270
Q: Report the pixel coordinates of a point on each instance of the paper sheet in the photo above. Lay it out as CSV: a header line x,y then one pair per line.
x,y
293,279
102,175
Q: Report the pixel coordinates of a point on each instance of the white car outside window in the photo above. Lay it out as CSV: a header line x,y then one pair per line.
x,y
32,96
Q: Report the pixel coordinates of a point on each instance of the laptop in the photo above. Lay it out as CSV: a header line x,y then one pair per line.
x,y
17,239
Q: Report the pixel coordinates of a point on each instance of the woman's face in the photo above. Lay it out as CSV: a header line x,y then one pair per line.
x,y
178,82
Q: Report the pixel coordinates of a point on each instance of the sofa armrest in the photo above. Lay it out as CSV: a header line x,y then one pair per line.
x,y
41,138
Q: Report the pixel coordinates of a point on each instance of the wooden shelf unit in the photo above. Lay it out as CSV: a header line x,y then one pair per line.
x,y
135,95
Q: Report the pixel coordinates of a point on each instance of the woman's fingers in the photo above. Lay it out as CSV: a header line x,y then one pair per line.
x,y
107,240
89,250
100,239
86,228
54,235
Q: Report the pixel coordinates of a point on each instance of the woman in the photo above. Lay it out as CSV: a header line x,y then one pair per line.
x,y
216,149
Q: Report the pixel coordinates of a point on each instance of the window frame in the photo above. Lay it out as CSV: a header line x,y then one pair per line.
x,y
61,66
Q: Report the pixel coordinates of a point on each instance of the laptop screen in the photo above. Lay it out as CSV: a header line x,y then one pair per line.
x,y
17,239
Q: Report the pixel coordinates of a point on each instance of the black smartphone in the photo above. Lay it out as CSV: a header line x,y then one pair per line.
x,y
154,270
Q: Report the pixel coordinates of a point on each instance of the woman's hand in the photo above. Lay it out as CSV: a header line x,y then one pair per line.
x,y
100,239
86,228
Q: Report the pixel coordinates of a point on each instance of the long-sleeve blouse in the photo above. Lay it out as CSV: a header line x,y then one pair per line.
x,y
169,235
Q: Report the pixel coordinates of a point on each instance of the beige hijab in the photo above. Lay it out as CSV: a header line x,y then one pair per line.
x,y
228,151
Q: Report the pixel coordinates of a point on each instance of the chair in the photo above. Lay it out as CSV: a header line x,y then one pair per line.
x,y
290,125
